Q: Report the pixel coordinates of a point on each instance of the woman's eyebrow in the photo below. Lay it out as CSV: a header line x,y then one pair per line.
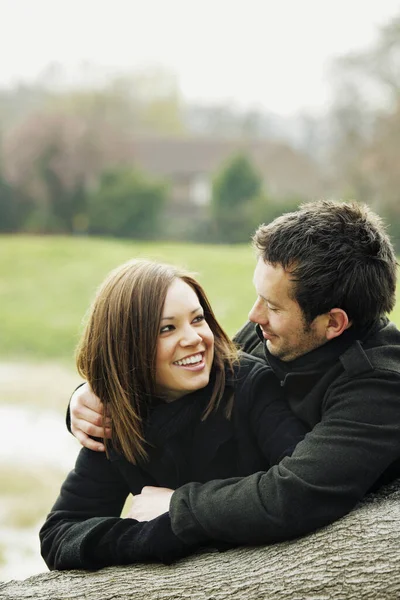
x,y
172,318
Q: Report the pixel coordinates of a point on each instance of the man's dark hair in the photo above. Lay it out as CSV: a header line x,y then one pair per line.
x,y
338,256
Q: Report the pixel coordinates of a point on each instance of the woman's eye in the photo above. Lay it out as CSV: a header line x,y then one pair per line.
x,y
198,319
167,328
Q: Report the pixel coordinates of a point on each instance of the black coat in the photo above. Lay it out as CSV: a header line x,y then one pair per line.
x,y
348,391
84,528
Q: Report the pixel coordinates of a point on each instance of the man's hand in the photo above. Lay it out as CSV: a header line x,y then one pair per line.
x,y
150,503
86,411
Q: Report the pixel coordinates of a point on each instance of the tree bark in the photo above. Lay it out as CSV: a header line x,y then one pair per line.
x,y
356,558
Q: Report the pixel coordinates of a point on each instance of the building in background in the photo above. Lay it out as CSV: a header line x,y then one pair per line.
x,y
190,163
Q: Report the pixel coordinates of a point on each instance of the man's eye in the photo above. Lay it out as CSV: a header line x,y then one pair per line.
x,y
167,328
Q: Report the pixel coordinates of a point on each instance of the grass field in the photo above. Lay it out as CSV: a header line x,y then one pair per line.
x,y
46,285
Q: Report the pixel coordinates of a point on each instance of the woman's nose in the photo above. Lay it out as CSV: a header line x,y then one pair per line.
x,y
191,337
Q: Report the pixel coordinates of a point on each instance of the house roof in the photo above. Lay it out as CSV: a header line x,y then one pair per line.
x,y
285,170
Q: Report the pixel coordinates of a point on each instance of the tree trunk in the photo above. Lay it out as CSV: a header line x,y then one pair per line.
x,y
356,558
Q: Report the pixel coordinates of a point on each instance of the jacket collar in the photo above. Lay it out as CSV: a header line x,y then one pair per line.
x,y
321,358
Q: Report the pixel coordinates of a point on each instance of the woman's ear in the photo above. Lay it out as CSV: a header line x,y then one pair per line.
x,y
338,322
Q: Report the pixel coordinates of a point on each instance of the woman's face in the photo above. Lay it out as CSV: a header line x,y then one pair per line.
x,y
185,348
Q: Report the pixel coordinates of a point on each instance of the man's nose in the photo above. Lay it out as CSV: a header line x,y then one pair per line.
x,y
258,314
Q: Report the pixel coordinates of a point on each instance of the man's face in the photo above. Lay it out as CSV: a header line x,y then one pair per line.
x,y
280,316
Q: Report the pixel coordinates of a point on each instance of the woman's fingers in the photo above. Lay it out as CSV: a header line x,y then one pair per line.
x,y
150,503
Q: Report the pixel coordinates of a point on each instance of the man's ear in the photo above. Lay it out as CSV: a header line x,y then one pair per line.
x,y
338,322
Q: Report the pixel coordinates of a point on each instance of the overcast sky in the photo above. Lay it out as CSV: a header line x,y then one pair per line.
x,y
269,54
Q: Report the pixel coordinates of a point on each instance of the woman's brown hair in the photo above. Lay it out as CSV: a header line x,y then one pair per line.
x,y
117,351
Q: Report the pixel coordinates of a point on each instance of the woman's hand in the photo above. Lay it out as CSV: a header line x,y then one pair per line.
x,y
86,411
150,503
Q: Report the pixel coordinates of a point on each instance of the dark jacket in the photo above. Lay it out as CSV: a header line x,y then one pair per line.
x,y
84,528
348,391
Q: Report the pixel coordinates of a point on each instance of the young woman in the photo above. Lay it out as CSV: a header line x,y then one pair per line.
x,y
184,406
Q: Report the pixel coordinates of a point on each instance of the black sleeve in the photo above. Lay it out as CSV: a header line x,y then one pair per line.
x,y
68,415
84,529
261,403
357,439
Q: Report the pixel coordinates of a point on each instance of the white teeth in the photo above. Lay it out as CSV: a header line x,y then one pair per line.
x,y
191,360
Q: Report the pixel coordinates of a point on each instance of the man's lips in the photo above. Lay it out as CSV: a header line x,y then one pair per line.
x,y
266,335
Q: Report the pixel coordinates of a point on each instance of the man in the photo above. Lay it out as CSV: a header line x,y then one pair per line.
x,y
325,280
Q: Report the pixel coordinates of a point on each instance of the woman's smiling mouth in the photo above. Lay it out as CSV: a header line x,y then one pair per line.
x,y
193,362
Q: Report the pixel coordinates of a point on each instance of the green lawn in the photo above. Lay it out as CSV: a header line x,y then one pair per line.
x,y
46,285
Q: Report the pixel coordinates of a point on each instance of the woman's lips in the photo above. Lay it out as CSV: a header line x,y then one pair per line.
x,y
189,366
194,367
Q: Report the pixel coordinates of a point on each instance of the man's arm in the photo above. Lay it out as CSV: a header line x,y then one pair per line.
x,y
85,418
329,472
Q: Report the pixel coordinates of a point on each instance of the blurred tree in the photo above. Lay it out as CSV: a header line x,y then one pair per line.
x,y
276,207
381,167
237,204
55,157
126,203
158,101
378,66
8,216
351,124
141,102
15,208
20,100
366,117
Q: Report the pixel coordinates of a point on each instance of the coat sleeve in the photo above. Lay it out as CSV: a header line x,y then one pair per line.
x,y
356,441
68,413
84,529
261,402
